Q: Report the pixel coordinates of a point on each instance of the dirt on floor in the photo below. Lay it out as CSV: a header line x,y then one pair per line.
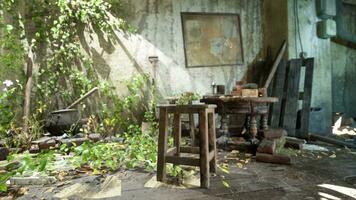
x,y
312,175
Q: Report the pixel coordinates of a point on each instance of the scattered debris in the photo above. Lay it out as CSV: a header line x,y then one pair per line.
x,y
271,146
313,147
35,179
295,143
4,152
267,146
277,159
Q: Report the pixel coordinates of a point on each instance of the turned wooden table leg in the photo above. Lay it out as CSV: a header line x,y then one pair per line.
x,y
253,126
247,124
224,129
264,122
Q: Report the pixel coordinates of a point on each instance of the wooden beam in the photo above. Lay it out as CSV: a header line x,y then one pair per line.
x,y
183,160
307,95
279,93
290,109
275,64
193,150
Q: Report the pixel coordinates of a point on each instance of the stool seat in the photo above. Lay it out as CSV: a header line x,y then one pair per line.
x,y
207,140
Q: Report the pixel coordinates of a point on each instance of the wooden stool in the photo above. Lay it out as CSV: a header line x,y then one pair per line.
x,y
206,149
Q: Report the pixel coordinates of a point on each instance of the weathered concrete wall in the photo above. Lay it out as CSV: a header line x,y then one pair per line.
x,y
275,24
160,34
344,79
313,46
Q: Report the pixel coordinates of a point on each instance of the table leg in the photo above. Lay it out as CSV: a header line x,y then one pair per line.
x,y
224,129
253,126
264,121
247,124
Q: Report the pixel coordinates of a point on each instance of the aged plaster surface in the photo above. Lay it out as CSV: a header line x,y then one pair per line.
x,y
160,34
320,50
344,81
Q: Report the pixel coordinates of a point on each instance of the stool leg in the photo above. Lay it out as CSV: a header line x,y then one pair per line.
x,y
177,132
192,129
204,150
212,141
162,144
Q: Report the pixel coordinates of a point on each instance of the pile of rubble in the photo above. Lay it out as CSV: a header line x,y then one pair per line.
x,y
274,140
54,142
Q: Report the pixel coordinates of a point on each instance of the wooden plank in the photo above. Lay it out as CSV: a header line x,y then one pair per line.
x,y
172,151
289,114
212,141
278,92
275,64
162,144
193,150
204,149
307,94
183,160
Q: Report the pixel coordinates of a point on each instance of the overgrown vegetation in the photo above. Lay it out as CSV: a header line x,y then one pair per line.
x,y
54,30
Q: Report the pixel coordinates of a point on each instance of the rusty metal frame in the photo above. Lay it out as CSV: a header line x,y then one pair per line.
x,y
217,14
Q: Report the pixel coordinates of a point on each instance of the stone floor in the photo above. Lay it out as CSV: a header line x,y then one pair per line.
x,y
313,175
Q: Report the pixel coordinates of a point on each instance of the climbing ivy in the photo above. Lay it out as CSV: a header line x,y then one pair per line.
x,y
56,30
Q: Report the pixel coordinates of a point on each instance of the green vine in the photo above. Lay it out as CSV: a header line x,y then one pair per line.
x,y
55,29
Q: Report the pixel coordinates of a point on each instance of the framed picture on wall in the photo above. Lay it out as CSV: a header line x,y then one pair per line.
x,y
212,39
345,23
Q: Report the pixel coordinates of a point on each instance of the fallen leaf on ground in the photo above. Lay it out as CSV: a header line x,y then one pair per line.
x,y
226,184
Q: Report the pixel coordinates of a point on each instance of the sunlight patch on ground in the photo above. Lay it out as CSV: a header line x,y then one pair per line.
x,y
328,196
351,192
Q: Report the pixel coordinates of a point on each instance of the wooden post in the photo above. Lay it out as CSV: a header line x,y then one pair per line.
x,y
307,94
162,144
204,149
289,112
278,92
212,140
275,64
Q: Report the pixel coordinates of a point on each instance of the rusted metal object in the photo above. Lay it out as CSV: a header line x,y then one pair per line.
x,y
68,119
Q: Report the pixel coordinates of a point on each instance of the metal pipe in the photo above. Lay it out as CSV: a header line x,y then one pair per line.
x,y
332,141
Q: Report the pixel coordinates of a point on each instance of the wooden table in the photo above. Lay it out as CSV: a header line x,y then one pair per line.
x,y
251,106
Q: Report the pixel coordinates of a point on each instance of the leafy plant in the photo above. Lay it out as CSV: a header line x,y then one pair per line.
x,y
187,98
28,164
